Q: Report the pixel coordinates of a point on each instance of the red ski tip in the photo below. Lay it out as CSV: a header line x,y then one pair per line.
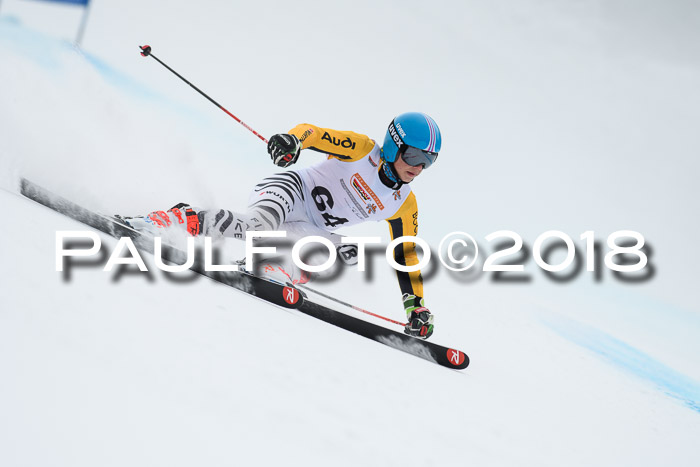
x,y
455,357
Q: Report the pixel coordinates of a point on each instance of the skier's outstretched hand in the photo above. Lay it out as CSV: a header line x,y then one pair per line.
x,y
420,320
284,149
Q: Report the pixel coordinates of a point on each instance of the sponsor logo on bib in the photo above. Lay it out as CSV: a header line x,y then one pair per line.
x,y
365,192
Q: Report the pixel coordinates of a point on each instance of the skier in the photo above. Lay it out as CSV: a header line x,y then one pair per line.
x,y
359,181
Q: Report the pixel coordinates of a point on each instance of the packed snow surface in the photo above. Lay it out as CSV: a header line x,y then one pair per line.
x,y
555,116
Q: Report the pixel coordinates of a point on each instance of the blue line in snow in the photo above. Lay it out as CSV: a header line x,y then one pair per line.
x,y
49,52
629,359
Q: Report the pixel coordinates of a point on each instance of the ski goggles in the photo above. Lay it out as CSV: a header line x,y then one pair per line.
x,y
415,157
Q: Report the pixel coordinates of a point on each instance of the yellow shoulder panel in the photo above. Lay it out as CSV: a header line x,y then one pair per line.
x,y
343,145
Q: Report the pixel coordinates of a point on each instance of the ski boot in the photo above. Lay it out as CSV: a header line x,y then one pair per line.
x,y
180,214
275,272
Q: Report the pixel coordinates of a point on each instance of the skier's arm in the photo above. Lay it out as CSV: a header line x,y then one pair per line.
x,y
344,145
403,223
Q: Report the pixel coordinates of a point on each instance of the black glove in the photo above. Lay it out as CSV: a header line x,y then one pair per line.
x,y
420,320
284,149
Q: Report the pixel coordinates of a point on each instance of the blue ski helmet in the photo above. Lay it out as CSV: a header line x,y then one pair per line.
x,y
410,131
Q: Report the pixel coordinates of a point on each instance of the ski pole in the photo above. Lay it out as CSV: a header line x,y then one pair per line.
x,y
356,308
146,52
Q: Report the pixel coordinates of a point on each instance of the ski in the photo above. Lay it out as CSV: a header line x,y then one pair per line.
x,y
436,353
272,292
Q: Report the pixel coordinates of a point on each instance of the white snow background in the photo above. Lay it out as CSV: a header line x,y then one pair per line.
x,y
564,115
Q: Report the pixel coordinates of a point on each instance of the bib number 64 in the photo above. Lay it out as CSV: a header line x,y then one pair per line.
x,y
324,201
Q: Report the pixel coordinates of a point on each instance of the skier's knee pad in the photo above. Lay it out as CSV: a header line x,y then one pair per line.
x,y
348,253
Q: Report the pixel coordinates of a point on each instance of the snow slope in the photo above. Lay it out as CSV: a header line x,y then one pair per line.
x,y
593,132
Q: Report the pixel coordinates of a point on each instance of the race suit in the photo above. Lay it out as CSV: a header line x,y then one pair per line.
x,y
343,190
